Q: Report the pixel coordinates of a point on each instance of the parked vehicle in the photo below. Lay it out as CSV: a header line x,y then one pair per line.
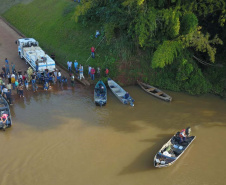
x,y
28,49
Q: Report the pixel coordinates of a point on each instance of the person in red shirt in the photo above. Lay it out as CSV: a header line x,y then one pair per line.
x,y
93,52
106,72
92,73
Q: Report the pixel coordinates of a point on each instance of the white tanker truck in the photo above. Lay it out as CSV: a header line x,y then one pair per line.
x,y
28,49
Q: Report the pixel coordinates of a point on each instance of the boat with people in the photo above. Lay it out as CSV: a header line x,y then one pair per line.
x,y
6,120
120,93
154,91
173,149
100,93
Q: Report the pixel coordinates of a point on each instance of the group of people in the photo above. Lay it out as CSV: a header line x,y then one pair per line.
x,y
92,71
79,69
11,80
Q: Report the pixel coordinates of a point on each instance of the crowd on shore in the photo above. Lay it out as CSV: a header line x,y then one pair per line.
x,y
12,80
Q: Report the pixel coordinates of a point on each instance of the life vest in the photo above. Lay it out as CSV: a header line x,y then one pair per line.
x,y
182,133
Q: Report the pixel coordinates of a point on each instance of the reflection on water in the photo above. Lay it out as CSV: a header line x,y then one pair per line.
x,y
61,137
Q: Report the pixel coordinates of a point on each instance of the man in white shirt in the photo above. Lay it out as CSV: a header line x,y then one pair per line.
x,y
89,70
59,76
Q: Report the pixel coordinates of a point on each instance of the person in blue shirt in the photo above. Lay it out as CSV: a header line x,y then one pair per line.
x,y
76,66
34,86
6,61
97,33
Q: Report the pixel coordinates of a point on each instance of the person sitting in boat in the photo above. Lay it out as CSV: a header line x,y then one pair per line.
x,y
101,89
4,120
182,135
127,95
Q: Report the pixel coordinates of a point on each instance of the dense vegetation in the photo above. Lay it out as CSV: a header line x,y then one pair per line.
x,y
173,44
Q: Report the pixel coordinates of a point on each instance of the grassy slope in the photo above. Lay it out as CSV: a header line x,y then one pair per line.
x,y
51,23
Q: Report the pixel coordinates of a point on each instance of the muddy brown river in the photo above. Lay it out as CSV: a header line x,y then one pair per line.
x,y
60,137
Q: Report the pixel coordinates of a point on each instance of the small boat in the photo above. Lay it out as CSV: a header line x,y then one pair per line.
x,y
154,91
4,109
172,150
119,92
100,93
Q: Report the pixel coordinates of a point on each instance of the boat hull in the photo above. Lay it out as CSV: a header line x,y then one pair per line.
x,y
100,94
154,91
163,159
119,92
4,109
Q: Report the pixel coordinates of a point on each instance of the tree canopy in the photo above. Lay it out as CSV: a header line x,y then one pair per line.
x,y
171,30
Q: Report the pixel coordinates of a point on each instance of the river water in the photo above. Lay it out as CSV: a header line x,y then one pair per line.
x,y
60,137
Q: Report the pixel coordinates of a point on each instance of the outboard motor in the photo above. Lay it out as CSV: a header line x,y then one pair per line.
x,y
188,131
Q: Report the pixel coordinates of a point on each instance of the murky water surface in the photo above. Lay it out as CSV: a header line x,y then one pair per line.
x,y
61,137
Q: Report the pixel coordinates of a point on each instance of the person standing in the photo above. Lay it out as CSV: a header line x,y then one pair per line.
x,y
9,98
55,76
7,68
21,90
34,86
93,52
72,80
59,76
92,73
4,91
76,66
36,65
68,65
13,81
6,61
26,83
81,76
3,69
89,70
9,77
46,86
13,67
97,33
16,85
1,81
9,87
106,72
98,72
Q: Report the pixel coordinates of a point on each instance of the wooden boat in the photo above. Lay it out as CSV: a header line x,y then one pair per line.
x,y
172,150
4,109
154,91
100,93
119,92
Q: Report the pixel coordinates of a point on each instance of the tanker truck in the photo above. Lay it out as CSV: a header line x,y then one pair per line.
x,y
28,49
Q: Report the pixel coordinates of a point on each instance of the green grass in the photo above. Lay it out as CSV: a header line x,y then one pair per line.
x,y
51,23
